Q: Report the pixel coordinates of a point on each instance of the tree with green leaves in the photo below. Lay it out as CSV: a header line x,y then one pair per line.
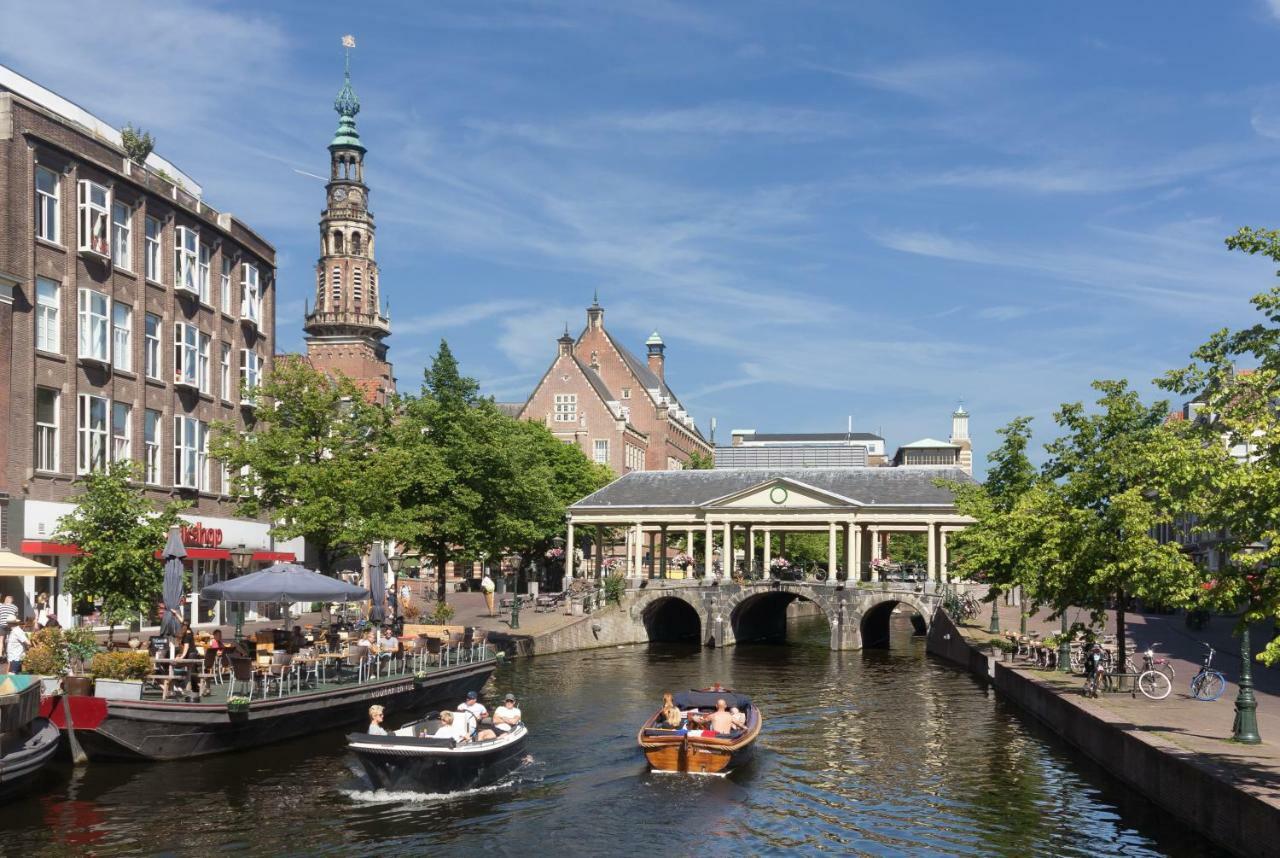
x,y
119,532
698,462
1124,472
316,461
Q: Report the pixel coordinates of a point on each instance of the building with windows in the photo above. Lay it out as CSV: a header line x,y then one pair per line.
x,y
956,452
752,449
132,317
346,327
617,408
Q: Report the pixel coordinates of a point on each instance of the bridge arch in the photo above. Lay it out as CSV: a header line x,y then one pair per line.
x,y
669,617
761,614
877,611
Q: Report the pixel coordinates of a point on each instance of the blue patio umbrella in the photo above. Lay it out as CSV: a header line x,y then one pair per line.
x,y
174,554
283,584
377,584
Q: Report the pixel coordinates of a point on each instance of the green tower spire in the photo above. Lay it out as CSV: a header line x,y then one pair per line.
x,y
347,105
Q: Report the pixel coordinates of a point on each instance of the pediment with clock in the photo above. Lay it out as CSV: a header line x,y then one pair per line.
x,y
781,494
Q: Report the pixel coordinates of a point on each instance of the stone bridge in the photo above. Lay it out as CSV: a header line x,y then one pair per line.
x,y
723,614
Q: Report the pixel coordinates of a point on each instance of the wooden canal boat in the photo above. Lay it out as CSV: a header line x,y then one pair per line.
x,y
154,729
700,751
27,741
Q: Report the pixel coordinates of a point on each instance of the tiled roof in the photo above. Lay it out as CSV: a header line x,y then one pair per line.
x,y
880,486
593,377
811,436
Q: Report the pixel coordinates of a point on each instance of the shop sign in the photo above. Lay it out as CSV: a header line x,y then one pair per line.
x,y
199,535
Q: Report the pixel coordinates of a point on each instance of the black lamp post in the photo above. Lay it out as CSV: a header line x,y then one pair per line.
x,y
1245,729
994,628
241,557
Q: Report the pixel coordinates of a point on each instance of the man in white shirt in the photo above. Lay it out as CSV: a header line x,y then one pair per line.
x,y
17,645
487,585
506,716
473,705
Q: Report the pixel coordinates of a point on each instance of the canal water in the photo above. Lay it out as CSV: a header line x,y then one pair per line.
x,y
880,752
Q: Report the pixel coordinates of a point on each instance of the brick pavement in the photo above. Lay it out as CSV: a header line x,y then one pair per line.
x,y
1199,728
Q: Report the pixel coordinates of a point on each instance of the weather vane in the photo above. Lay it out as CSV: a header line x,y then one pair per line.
x,y
348,42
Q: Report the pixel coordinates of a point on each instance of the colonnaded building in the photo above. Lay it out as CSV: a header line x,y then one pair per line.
x,y
132,315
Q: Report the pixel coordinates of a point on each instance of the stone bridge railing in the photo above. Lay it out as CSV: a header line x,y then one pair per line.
x,y
720,604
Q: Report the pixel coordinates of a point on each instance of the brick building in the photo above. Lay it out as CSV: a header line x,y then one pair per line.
x,y
617,408
132,314
346,326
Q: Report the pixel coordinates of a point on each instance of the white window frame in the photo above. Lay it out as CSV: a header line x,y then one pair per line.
x,y
250,374
600,451
203,373
122,336
190,449
250,293
186,347
49,206
95,219
224,372
94,326
48,315
566,408
121,432
121,236
204,265
47,451
152,345
186,259
93,415
228,270
153,262
151,421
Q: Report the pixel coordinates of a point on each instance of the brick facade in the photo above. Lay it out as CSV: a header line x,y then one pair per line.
x,y
623,414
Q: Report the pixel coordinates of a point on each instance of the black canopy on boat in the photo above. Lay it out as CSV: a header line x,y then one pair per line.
x,y
707,699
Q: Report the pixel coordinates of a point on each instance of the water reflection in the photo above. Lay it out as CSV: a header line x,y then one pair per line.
x,y
878,752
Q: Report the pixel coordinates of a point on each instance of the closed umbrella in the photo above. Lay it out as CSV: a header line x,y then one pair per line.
x,y
174,554
377,567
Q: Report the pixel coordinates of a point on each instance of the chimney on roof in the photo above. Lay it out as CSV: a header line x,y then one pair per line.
x,y
595,313
656,358
960,437
566,342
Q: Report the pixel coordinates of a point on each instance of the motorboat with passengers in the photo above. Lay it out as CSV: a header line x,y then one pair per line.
x,y
412,758
681,737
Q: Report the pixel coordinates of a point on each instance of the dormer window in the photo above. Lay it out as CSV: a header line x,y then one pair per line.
x,y
626,393
95,211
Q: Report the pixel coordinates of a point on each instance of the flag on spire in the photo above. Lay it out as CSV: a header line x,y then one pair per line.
x,y
348,41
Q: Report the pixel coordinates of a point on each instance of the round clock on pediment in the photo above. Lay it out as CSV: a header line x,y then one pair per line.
x,y
778,495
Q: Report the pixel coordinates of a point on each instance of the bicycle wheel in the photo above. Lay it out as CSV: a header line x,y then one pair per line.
x,y
1208,685
1154,684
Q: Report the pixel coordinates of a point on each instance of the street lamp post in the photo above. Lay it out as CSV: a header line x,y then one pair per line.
x,y
994,628
396,561
241,557
1245,729
1064,646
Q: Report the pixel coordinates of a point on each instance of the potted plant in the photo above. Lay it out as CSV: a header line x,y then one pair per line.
x,y
237,706
46,660
118,675
81,646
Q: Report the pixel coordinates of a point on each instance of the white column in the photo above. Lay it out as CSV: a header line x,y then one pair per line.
x,y
931,536
568,553
875,551
942,551
726,554
707,552
688,549
768,551
851,552
749,555
831,551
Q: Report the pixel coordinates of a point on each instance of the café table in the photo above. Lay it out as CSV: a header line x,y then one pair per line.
x,y
193,665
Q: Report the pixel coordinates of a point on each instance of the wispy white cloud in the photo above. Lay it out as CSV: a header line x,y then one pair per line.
x,y
459,316
934,77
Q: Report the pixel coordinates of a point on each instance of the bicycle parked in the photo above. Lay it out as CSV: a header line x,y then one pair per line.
x,y
1208,684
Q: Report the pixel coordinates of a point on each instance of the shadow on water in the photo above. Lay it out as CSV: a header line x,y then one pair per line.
x,y
873,752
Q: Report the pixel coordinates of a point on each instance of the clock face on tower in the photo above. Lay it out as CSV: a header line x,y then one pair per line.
x,y
340,194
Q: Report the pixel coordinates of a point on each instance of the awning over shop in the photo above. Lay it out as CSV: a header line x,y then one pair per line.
x,y
205,553
39,546
16,565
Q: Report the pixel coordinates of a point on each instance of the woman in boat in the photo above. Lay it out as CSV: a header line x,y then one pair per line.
x,y
671,716
376,714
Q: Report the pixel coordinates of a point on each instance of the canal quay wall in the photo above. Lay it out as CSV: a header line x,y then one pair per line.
x,y
1206,797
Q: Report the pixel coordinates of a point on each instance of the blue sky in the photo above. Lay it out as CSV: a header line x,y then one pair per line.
x,y
871,208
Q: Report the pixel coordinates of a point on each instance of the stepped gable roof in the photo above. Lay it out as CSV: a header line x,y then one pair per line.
x,y
871,486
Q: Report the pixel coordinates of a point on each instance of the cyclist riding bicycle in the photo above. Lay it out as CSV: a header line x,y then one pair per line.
x,y
1092,664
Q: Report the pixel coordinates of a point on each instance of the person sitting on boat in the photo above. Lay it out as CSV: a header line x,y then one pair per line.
x,y
671,717
215,642
473,705
186,648
376,714
721,721
507,716
388,643
739,717
458,728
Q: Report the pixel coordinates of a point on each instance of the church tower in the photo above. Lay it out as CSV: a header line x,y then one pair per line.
x,y
346,327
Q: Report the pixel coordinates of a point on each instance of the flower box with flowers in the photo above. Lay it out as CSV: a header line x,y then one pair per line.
x,y
682,561
554,555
